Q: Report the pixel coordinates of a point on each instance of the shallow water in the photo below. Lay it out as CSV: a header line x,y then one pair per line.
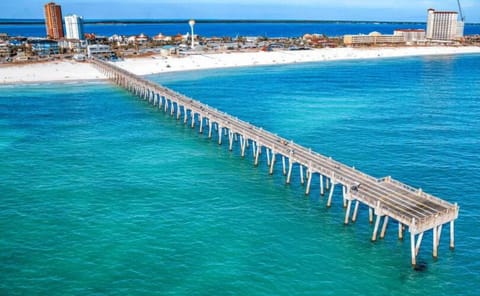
x,y
102,194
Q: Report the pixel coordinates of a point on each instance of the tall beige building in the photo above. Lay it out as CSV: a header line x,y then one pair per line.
x,y
443,25
53,20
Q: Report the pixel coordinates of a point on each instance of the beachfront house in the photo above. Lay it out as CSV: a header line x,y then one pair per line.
x,y
99,50
5,49
162,39
43,47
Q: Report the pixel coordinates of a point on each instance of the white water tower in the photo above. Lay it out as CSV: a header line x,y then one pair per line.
x,y
192,23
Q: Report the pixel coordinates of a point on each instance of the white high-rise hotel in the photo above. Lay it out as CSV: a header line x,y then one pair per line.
x,y
74,27
443,25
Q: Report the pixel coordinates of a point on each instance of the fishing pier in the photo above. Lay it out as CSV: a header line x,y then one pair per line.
x,y
388,200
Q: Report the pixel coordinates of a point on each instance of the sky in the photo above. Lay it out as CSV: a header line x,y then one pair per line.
x,y
369,10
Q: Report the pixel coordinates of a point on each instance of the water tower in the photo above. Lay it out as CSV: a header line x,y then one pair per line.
x,y
192,23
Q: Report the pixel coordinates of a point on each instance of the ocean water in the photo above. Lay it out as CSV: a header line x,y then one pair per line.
x,y
274,29
101,194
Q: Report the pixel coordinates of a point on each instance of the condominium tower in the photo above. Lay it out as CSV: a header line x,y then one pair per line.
x,y
53,20
74,27
443,25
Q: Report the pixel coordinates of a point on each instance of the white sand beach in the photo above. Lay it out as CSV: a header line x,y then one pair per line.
x,y
48,72
153,65
69,70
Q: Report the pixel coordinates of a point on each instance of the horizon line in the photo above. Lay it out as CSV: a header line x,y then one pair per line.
x,y
34,21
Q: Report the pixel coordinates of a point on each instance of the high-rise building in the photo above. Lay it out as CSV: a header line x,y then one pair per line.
x,y
74,27
443,25
53,20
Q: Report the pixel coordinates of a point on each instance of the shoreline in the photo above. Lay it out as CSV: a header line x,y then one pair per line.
x,y
70,71
62,71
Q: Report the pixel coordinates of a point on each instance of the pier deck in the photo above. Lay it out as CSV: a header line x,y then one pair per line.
x,y
385,198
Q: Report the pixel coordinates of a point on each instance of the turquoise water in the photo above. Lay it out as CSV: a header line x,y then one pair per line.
x,y
103,195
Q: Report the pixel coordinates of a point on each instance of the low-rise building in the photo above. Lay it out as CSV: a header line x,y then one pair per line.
x,y
168,50
5,49
140,39
73,45
43,47
374,38
95,50
411,36
162,38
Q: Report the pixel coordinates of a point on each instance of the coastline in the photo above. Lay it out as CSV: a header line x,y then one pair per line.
x,y
65,71
48,72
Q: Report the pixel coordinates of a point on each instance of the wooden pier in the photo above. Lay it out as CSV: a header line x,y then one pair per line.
x,y
387,199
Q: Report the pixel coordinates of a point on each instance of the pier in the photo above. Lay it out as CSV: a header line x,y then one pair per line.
x,y
387,200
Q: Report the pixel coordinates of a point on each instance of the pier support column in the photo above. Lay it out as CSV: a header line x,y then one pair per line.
x,y
309,181
418,244
210,128
347,213
330,195
272,164
220,135
243,145
185,115
412,249
179,111
437,232
284,167
267,151
322,189
355,211
254,148
370,215
200,130
375,229
165,105
327,183
452,235
344,191
384,228
400,231
415,246
440,227
230,140
257,154
290,167
193,120
302,181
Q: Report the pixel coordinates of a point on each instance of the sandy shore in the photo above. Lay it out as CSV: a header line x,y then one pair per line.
x,y
67,71
48,72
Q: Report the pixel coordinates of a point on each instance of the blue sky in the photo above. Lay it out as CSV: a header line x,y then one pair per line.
x,y
382,10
